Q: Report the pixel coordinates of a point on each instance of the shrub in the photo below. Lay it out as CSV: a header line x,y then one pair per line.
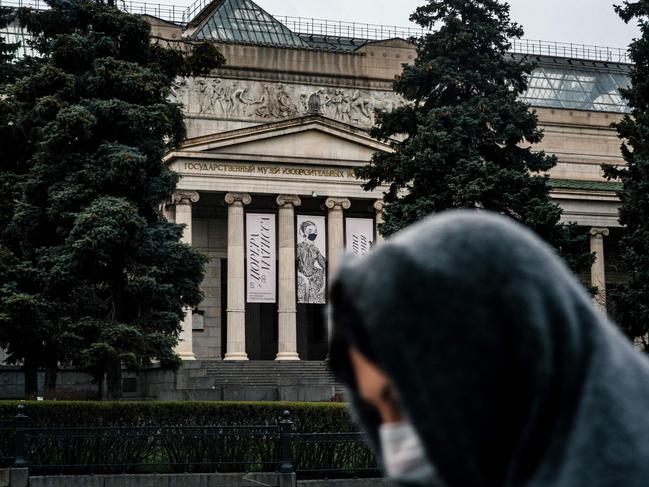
x,y
307,417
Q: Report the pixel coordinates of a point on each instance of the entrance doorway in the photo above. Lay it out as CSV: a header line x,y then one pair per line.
x,y
312,336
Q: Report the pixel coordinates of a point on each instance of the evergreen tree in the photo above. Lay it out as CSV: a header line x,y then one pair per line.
x,y
7,49
8,73
111,274
463,138
23,312
631,301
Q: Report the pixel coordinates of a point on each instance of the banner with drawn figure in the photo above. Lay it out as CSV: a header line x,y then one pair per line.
x,y
311,260
360,235
261,258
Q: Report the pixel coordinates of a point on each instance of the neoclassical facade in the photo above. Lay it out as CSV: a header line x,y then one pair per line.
x,y
299,169
268,189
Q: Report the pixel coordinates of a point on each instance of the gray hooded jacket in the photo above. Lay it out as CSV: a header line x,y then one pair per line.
x,y
508,372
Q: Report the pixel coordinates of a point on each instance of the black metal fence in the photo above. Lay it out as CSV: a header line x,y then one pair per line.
x,y
183,449
7,442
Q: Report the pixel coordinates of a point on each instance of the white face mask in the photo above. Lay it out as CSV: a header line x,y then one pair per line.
x,y
404,457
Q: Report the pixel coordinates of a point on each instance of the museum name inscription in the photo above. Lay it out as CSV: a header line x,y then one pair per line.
x,y
268,170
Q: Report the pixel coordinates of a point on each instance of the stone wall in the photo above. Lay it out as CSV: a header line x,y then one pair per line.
x,y
164,480
177,480
344,483
374,64
71,384
581,140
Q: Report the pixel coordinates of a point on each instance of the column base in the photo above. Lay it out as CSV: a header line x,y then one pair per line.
x,y
187,356
236,356
286,356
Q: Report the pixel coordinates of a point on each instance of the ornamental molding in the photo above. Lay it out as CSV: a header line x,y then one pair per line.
x,y
338,203
288,200
238,199
185,197
600,232
264,101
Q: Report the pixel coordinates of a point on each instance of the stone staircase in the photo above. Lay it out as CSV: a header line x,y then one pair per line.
x,y
267,373
257,380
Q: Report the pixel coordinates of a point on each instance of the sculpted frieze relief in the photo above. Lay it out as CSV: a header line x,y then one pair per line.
x,y
264,101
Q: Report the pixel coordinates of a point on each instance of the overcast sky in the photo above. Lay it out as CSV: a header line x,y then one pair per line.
x,y
577,21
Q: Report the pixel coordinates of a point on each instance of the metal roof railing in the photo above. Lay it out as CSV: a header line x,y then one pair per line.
x,y
353,30
194,9
356,30
171,13
569,50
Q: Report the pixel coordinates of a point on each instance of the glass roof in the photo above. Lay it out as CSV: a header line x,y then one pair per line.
x,y
245,22
576,88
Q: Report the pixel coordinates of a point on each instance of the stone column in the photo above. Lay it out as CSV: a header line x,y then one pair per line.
x,y
168,211
335,232
286,303
378,207
183,201
598,270
236,346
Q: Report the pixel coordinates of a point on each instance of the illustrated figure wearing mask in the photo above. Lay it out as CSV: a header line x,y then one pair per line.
x,y
311,267
473,358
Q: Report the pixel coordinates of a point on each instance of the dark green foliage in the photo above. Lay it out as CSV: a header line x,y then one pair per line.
x,y
18,302
7,49
463,140
324,417
631,300
92,274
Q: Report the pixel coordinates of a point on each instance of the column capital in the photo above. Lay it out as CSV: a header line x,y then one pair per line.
x,y
185,197
379,205
238,198
288,199
338,203
599,232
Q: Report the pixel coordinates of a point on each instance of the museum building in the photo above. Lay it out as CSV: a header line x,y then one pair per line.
x,y
275,136
268,190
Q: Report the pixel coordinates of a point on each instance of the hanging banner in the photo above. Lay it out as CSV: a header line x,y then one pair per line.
x,y
261,258
311,260
360,235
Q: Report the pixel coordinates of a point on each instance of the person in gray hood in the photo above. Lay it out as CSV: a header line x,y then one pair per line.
x,y
473,358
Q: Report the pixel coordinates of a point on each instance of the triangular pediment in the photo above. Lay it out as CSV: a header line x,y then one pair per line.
x,y
305,139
